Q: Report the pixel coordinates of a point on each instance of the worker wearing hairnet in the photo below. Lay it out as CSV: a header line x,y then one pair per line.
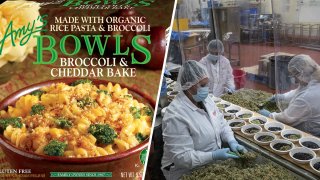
x,y
303,110
219,69
193,127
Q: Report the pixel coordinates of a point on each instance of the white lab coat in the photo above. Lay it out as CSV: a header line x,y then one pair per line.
x,y
303,111
190,135
220,75
286,98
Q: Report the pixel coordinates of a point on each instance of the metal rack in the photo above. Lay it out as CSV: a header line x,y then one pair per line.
x,y
276,158
299,34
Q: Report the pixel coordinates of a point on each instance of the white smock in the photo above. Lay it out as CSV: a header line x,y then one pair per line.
x,y
220,75
190,134
303,111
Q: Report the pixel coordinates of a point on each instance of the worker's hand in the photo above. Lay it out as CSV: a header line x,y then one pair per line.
x,y
237,148
223,154
272,99
229,90
276,97
264,112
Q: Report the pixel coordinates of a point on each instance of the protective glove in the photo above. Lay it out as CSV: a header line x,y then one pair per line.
x,y
229,90
222,154
272,99
276,97
264,112
237,148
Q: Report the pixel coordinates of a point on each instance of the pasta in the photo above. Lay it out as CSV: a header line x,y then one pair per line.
x,y
77,121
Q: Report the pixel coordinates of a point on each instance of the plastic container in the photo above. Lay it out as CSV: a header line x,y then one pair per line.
x,y
228,116
262,118
244,112
233,109
244,128
314,161
291,131
264,143
301,150
276,141
239,78
281,62
310,139
223,104
236,121
274,124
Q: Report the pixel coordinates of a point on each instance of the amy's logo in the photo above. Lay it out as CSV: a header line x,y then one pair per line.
x,y
23,33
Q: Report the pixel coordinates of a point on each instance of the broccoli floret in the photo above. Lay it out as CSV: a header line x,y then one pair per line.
x,y
103,91
63,123
140,137
147,111
87,101
37,109
136,113
37,93
128,96
5,122
81,81
55,148
103,133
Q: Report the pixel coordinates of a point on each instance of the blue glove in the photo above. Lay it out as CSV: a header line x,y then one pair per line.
x,y
264,112
276,97
272,99
232,90
229,90
222,154
237,148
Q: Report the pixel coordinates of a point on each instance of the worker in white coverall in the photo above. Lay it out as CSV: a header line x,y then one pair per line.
x,y
193,127
303,111
221,79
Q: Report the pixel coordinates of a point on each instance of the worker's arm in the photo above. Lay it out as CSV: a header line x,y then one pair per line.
x,y
179,144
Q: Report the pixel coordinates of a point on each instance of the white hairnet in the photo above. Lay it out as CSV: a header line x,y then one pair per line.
x,y
191,73
304,66
215,45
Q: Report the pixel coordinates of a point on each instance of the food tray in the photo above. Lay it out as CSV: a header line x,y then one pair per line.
x,y
286,157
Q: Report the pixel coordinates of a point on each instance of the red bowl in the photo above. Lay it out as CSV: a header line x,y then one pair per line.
x,y
124,164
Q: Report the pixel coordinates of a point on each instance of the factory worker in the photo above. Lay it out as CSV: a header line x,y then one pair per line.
x,y
193,127
219,69
303,111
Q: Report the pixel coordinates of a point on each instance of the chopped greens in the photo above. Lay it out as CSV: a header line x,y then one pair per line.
x,y
136,113
37,109
5,122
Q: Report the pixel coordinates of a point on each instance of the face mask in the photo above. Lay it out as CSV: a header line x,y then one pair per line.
x,y
213,58
202,94
304,78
